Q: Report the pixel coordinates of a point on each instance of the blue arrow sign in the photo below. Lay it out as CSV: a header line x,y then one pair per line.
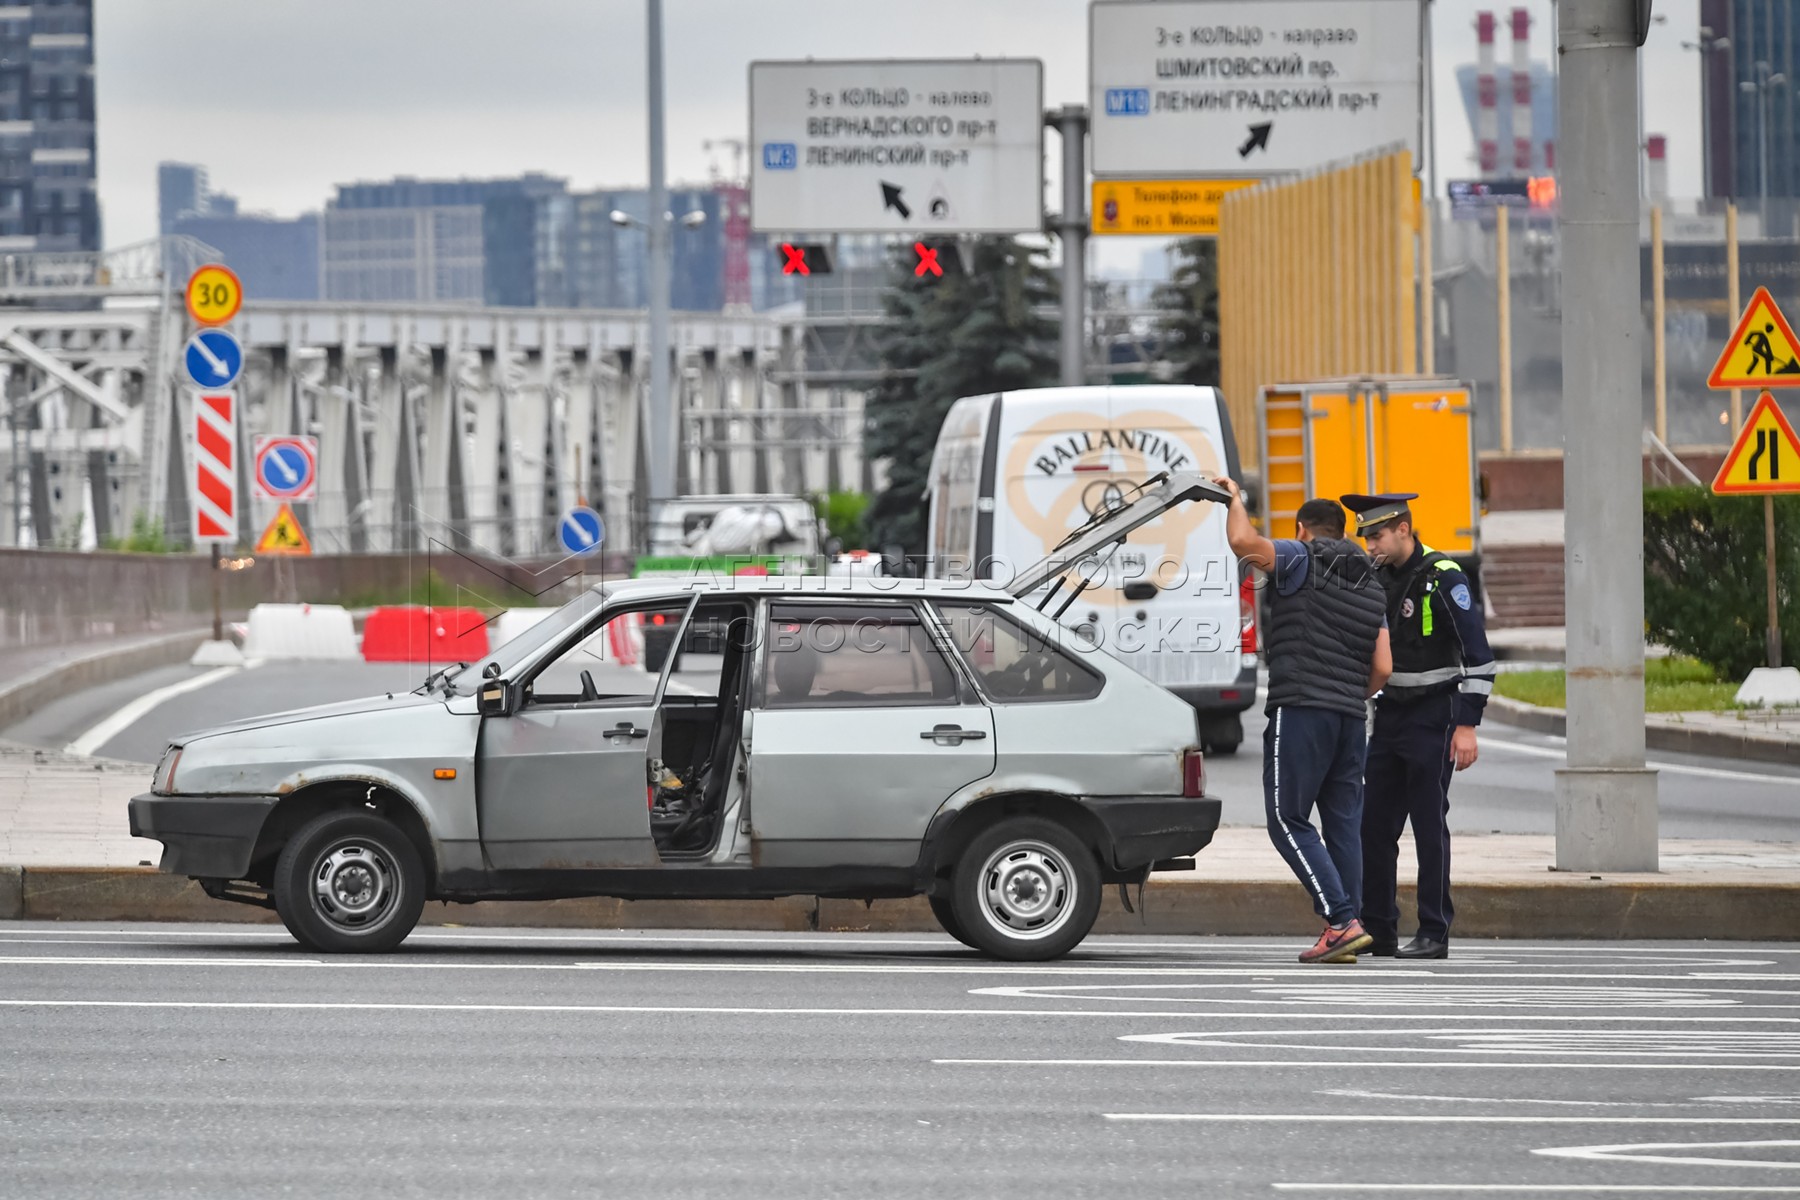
x,y
287,468
581,530
214,359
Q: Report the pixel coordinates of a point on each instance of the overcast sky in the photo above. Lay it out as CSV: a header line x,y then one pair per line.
x,y
281,99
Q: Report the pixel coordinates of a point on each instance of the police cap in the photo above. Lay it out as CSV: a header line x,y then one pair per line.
x,y
1371,511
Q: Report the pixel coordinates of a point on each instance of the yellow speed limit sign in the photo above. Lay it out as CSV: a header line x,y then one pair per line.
x,y
214,295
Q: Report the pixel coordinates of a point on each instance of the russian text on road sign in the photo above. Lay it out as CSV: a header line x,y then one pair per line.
x,y
213,359
287,468
214,295
1171,207
1766,456
911,146
581,530
284,535
805,258
1762,352
215,467
1185,88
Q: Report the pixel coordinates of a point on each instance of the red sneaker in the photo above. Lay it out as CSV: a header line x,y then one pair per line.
x,y
1338,945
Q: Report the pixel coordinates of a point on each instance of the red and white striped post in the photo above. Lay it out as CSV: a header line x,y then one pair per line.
x,y
215,483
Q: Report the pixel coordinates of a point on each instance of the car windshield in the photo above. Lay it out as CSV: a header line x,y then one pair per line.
x,y
510,654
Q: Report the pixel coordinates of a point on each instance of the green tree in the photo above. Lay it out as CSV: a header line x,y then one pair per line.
x,y
959,335
1190,306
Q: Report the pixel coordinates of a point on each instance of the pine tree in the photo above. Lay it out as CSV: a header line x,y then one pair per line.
x,y
949,337
1190,321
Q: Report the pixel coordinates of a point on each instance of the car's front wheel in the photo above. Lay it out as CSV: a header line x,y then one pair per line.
x,y
349,882
1026,889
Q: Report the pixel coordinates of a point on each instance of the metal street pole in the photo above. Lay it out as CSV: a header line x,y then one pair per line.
x,y
661,448
1606,810
1071,123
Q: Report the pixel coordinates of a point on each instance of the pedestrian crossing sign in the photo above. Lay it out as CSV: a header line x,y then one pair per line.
x,y
284,535
1762,352
1766,457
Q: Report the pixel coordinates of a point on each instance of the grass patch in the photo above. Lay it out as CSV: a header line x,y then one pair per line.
x,y
1672,684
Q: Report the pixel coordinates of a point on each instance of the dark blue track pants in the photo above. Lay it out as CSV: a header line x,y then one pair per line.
x,y
1313,758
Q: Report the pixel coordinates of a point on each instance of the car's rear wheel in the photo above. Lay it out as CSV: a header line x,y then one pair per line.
x,y
1026,889
349,883
945,912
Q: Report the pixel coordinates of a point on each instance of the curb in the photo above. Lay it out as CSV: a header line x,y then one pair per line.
x,y
57,680
1678,739
1559,906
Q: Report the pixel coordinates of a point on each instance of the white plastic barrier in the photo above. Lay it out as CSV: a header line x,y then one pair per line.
x,y
300,631
514,621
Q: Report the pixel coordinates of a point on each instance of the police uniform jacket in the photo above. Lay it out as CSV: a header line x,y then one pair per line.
x,y
1437,635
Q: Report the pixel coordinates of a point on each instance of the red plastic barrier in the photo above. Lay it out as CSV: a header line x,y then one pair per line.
x,y
408,633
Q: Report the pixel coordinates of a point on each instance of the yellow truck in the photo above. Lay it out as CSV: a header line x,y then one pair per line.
x,y
1375,434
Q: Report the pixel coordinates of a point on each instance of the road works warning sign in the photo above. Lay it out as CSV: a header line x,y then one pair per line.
x,y
1766,457
1762,351
284,535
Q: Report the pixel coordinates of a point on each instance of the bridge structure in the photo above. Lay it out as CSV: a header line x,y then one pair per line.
x,y
476,426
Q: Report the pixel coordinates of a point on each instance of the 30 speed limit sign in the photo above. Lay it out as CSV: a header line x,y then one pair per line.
x,y
214,295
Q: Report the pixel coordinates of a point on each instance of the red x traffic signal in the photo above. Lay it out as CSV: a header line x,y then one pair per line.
x,y
928,260
805,258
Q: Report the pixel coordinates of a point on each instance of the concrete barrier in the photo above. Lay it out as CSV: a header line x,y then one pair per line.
x,y
1560,906
301,631
408,633
25,695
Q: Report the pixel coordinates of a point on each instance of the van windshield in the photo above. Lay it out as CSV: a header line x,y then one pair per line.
x,y
521,649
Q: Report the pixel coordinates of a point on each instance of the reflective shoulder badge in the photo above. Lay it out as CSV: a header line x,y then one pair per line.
x,y
1460,594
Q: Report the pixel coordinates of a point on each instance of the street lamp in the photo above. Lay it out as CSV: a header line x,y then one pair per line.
x,y
1708,44
1766,81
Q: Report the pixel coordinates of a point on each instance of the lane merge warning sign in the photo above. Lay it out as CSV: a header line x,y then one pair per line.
x,y
1766,456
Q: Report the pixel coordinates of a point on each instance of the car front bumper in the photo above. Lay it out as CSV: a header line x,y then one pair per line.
x,y
1146,829
202,836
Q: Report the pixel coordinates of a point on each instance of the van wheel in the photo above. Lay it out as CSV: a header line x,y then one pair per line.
x,y
1222,736
349,883
1026,890
945,912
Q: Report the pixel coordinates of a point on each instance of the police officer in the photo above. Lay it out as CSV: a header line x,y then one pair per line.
x,y
1327,653
1425,721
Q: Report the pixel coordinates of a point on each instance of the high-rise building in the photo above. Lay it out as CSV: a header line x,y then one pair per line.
x,y
181,191
275,259
1750,69
47,196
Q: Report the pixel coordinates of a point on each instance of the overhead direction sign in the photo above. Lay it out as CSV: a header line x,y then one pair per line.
x,y
283,535
1762,351
214,295
912,146
581,530
213,358
1167,207
287,468
1211,88
1765,459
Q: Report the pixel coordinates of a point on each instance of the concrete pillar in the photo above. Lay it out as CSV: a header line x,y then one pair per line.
x,y
1606,812
793,399
490,505
444,493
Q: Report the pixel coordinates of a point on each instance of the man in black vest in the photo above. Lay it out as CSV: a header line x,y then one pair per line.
x,y
1328,652
1425,721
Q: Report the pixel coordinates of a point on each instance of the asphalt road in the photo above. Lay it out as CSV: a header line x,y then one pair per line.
x,y
1509,790
158,1061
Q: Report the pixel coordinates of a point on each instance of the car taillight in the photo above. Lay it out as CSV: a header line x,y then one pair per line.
x,y
1247,616
1193,774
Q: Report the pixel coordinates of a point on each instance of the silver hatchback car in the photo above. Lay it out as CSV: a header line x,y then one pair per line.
x,y
809,736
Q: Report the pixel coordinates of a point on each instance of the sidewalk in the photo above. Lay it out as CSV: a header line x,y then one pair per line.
x,y
65,854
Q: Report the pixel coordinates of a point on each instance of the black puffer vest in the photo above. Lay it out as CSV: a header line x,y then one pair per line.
x,y
1322,638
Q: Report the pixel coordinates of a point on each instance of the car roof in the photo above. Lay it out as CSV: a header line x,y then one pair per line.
x,y
879,587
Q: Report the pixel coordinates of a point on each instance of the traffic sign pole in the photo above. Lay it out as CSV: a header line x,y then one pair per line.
x,y
1774,639
1071,124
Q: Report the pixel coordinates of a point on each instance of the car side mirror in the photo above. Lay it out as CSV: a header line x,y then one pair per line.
x,y
494,699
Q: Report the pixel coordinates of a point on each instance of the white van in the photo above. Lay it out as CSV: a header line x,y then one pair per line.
x,y
1015,472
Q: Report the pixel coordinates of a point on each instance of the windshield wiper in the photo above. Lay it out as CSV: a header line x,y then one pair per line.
x,y
443,675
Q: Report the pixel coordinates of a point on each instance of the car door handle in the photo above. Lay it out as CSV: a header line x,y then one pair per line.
x,y
625,729
953,733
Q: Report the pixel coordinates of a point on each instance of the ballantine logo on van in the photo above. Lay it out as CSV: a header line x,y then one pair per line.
x,y
1154,447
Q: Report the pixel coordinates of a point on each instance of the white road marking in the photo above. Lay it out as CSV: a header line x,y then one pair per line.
x,y
1342,1065
1449,1119
1360,1094
1616,1043
1674,768
1623,1154
133,712
1585,1189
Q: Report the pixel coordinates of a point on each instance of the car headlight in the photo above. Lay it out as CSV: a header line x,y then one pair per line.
x,y
164,783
